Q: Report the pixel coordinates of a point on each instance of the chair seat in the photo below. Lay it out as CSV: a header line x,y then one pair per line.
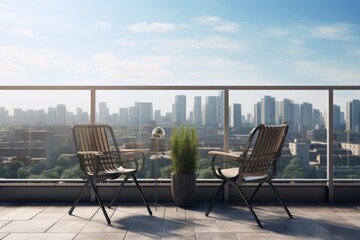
x,y
115,173
233,173
229,172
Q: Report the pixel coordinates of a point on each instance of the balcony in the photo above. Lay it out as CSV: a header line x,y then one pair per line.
x,y
331,179
310,198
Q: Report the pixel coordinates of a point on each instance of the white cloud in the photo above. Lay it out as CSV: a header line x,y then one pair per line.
x,y
20,61
5,14
103,24
217,24
210,42
127,42
26,32
328,73
152,27
335,31
224,44
151,69
276,32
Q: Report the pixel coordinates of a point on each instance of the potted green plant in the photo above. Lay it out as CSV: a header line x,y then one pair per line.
x,y
184,151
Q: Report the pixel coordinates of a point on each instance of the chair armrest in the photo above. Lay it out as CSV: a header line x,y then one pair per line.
x,y
125,150
224,157
96,153
225,154
129,152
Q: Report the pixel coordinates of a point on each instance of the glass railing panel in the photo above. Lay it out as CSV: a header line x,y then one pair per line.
x,y
134,114
35,133
304,155
346,126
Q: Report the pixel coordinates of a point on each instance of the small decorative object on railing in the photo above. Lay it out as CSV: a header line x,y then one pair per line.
x,y
158,132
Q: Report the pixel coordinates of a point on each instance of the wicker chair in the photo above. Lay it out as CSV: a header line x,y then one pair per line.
x,y
257,163
100,159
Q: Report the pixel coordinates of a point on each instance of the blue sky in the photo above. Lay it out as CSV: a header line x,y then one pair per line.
x,y
204,42
188,42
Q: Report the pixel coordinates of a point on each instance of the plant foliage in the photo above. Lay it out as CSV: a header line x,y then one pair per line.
x,y
184,149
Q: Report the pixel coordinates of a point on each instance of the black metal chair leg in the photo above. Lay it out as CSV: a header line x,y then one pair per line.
x,y
142,194
248,204
215,197
79,196
100,202
280,200
254,193
118,191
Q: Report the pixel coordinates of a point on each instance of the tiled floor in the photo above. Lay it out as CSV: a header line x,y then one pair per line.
x,y
40,221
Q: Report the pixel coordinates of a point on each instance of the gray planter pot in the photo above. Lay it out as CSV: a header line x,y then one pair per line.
x,y
183,189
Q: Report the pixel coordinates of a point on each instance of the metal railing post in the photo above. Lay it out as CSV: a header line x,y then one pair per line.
x,y
226,135
330,147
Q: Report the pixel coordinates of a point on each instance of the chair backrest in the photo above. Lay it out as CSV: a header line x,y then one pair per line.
x,y
96,138
264,148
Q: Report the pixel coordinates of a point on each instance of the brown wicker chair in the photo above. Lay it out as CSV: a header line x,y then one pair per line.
x,y
100,159
257,163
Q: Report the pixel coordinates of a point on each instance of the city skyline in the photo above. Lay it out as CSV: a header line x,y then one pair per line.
x,y
209,110
40,99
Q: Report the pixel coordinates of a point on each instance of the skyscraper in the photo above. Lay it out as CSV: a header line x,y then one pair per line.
x,y
235,115
19,116
51,116
123,116
179,111
336,117
353,115
268,110
157,116
220,108
134,113
306,116
257,113
197,111
145,112
60,114
210,112
286,113
103,112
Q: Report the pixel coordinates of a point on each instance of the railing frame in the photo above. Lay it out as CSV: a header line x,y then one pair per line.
x,y
329,88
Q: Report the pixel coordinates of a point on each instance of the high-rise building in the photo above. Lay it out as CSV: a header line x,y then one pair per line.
x,y
336,118
81,117
353,115
268,110
286,113
145,112
134,113
123,116
197,111
257,113
235,115
103,112
60,114
220,108
317,119
179,110
4,116
210,112
306,116
157,116
51,116
19,116
297,117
